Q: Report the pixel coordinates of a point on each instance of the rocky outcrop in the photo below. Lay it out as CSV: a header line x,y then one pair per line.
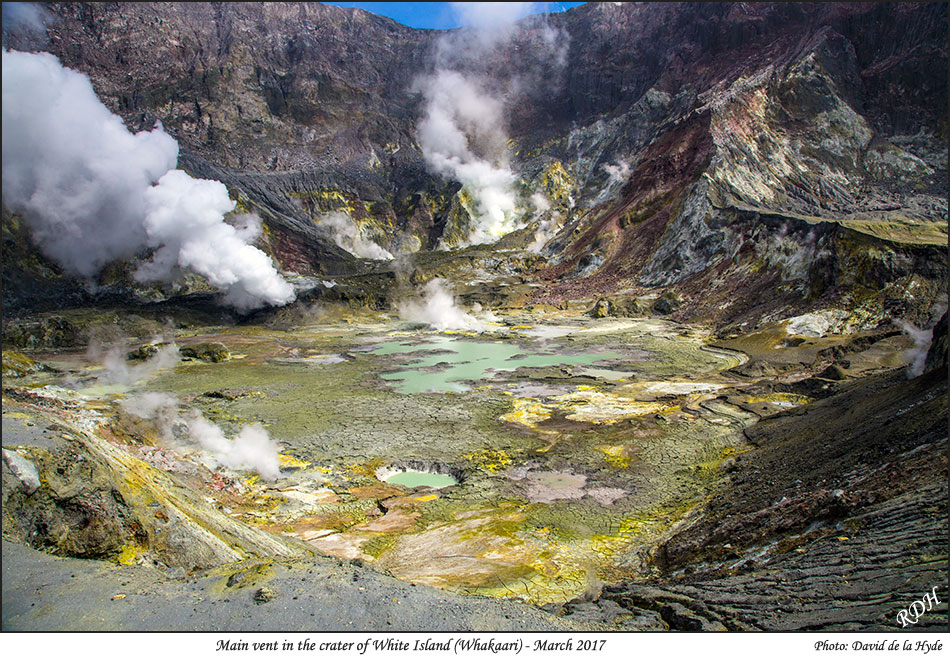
x,y
16,364
886,556
213,352
937,355
838,507
90,497
879,427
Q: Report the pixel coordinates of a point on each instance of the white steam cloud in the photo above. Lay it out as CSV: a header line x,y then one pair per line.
x,y
118,371
252,448
493,19
184,220
346,235
548,225
151,405
159,407
462,138
618,173
27,16
92,192
436,307
462,132
917,355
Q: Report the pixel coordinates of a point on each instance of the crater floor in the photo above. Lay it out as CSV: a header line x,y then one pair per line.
x,y
577,444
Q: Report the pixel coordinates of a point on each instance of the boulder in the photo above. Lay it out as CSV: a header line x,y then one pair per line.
x,y
620,307
24,470
209,352
667,303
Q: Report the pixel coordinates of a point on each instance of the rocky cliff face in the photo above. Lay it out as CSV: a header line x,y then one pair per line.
x,y
779,170
751,161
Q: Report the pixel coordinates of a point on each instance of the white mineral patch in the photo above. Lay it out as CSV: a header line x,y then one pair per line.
x,y
324,359
817,324
551,331
528,390
340,545
316,498
549,486
679,388
605,408
605,496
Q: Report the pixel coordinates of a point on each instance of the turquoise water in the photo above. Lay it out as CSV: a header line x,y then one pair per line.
x,y
417,478
446,363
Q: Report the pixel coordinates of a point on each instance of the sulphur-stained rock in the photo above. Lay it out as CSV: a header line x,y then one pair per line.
x,y
96,499
45,333
210,352
306,498
73,511
621,307
145,351
16,364
479,549
601,309
667,303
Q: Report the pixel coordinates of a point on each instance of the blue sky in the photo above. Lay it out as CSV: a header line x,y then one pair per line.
x,y
442,15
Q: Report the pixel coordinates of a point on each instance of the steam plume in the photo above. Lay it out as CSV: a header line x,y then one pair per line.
x,y
184,220
24,16
548,224
118,371
252,448
618,173
92,192
462,132
917,355
347,236
437,308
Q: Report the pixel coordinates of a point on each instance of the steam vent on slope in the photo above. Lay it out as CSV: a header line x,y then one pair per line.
x,y
627,317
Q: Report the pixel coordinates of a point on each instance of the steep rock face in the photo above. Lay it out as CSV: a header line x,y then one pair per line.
x,y
798,196
271,87
252,92
713,148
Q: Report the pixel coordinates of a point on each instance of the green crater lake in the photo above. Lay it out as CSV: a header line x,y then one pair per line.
x,y
445,363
